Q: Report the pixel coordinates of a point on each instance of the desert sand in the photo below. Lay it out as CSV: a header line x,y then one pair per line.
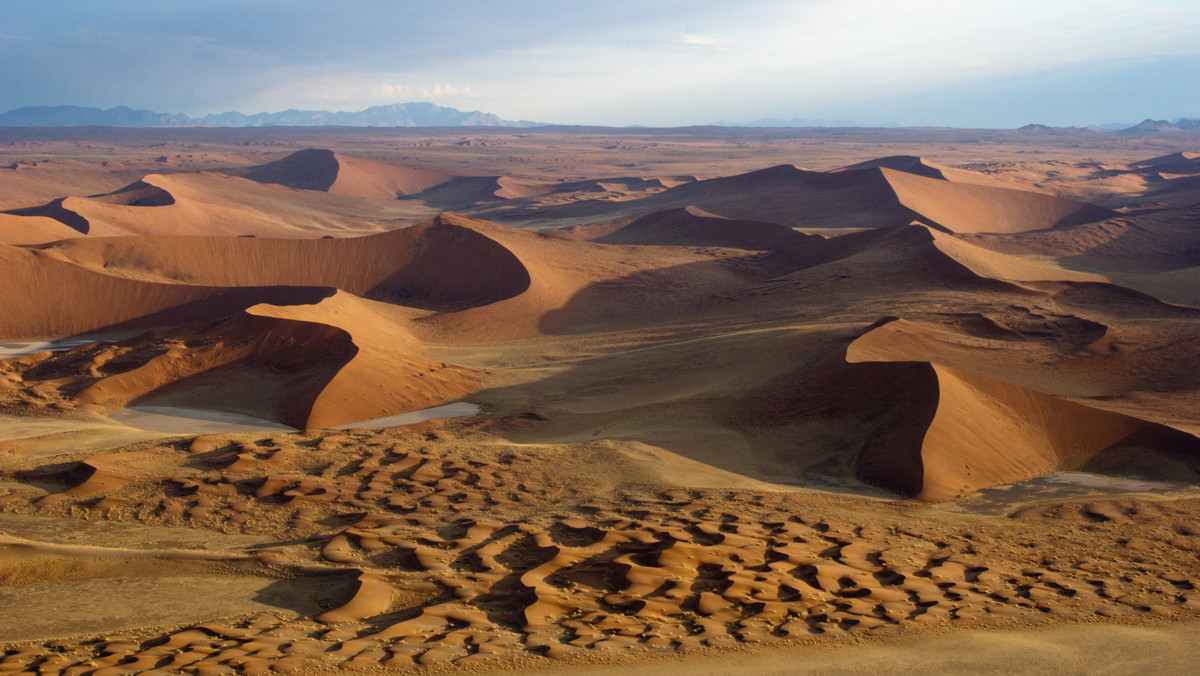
x,y
542,400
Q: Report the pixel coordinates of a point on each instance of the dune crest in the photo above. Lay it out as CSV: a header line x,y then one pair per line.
x,y
324,170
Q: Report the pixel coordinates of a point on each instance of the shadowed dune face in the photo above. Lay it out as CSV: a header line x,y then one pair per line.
x,y
56,211
139,194
311,169
691,226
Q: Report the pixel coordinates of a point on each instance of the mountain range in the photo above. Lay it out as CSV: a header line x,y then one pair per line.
x,y
416,114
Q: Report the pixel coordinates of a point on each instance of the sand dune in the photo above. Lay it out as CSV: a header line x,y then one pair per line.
x,y
463,192
1182,163
213,204
50,297
418,267
307,366
139,194
870,195
939,433
690,226
33,229
573,284
324,170
973,208
686,426
55,210
386,366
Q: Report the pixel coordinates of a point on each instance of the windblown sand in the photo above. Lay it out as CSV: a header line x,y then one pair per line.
x,y
649,401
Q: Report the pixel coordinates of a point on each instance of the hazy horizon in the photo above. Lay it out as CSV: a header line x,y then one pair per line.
x,y
667,63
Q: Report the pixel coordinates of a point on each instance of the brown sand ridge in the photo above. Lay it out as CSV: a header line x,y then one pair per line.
x,y
689,430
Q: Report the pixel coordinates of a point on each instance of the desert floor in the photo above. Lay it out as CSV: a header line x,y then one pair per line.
x,y
847,401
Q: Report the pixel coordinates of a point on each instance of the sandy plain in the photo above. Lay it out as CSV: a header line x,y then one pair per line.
x,y
845,400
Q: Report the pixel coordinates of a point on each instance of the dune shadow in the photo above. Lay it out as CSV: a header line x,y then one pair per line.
x,y
310,595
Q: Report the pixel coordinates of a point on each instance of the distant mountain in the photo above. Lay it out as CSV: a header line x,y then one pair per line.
x,y
418,114
59,116
1149,126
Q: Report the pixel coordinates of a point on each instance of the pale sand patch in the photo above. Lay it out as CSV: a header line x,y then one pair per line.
x,y
1079,649
1005,498
20,348
459,409
180,420
184,420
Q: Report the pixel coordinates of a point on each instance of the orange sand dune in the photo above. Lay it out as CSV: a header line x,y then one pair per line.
x,y
55,209
919,166
437,264
138,194
464,192
335,362
324,170
32,182
1062,354
33,229
937,433
1180,163
690,226
73,286
627,184
214,204
50,297
572,283
871,197
906,256
975,208
986,432
386,374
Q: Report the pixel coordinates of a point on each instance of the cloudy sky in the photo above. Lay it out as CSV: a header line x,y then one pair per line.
x,y
961,63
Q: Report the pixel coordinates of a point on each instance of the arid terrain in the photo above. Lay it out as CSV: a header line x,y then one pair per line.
x,y
740,400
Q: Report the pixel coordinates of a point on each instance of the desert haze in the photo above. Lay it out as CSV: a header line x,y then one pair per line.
x,y
722,400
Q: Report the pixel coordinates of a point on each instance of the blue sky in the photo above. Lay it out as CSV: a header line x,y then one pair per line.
x,y
657,62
